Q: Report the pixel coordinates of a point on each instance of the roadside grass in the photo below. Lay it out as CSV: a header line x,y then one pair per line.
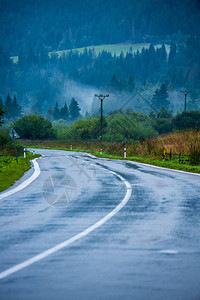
x,y
178,142
112,48
94,148
10,171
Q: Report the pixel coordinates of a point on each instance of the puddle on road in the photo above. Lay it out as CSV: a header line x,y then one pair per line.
x,y
168,251
132,166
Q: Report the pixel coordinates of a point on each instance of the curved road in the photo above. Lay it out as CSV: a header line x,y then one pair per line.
x,y
89,228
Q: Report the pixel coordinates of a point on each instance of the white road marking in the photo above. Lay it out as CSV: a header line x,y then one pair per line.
x,y
148,165
74,238
157,167
25,183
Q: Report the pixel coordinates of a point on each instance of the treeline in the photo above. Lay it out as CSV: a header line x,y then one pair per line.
x,y
41,78
67,114
129,126
11,108
71,24
117,127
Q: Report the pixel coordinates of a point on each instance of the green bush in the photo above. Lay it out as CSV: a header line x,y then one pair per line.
x,y
4,138
87,129
163,126
34,127
187,120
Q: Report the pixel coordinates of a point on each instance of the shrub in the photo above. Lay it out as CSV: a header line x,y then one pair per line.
x,y
163,126
187,120
34,127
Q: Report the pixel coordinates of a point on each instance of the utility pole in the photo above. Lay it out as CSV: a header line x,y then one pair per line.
x,y
101,97
185,92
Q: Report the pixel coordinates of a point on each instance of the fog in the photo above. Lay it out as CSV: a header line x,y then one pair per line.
x,y
83,94
52,86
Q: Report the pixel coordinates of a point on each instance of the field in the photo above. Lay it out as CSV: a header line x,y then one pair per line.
x,y
112,48
178,150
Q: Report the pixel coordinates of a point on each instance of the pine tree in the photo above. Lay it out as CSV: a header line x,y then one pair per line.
x,y
9,106
163,53
16,108
113,84
160,97
152,51
130,84
56,112
74,109
64,112
164,114
152,114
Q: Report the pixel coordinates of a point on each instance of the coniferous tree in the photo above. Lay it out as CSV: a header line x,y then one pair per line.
x,y
152,114
64,112
160,97
2,112
74,109
113,84
164,113
130,84
172,53
9,106
16,108
163,53
56,112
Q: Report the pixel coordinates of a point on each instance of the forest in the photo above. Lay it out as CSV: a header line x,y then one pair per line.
x,y
60,24
63,87
40,80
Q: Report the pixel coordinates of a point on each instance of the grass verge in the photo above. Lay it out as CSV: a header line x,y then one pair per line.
x,y
170,164
10,171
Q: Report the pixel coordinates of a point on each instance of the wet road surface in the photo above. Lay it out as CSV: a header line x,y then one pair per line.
x,y
149,249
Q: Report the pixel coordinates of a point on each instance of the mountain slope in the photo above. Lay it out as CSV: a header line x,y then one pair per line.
x,y
61,24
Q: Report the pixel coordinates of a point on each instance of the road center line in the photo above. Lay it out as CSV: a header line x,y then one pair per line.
x,y
74,238
25,183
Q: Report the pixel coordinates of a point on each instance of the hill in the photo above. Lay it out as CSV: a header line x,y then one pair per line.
x,y
66,24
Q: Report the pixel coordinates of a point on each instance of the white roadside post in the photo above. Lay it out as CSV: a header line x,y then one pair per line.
x,y
101,151
71,147
124,152
24,153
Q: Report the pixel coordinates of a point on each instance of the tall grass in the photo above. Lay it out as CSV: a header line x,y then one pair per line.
x,y
181,142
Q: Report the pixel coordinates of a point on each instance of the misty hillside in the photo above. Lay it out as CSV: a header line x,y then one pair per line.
x,y
61,24
166,33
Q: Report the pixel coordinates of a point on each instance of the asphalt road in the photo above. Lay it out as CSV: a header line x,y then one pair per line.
x,y
89,228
